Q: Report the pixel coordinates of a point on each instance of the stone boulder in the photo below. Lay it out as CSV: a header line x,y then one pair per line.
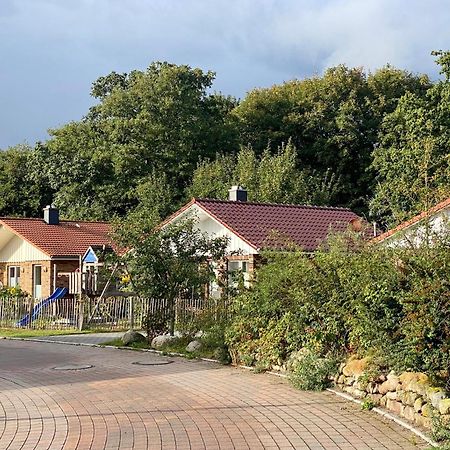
x,y
194,346
163,339
415,382
356,367
389,385
131,337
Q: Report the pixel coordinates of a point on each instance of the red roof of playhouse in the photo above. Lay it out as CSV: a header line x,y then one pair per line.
x,y
273,225
68,238
435,209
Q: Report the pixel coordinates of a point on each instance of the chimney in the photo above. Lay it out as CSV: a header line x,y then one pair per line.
x,y
51,215
237,194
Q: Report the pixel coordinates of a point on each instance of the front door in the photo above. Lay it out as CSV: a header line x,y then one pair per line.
x,y
37,281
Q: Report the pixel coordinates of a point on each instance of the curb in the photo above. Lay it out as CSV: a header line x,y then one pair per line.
x,y
348,397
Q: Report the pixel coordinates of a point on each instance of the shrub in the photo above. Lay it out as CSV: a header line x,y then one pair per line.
x,y
349,297
311,372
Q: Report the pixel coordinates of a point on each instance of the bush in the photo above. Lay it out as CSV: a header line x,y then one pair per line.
x,y
349,297
312,373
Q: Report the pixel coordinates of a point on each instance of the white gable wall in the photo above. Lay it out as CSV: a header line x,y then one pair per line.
x,y
19,250
416,234
213,228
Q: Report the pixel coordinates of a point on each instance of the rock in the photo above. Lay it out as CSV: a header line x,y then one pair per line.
x,y
391,395
341,379
358,393
427,410
414,381
131,336
372,388
383,400
356,367
194,346
444,406
418,404
394,406
349,381
375,397
407,397
162,340
389,385
422,421
436,398
408,413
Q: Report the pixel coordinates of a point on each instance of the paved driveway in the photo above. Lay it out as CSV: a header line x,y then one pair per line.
x,y
184,405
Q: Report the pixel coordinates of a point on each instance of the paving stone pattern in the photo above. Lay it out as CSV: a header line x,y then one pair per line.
x,y
183,405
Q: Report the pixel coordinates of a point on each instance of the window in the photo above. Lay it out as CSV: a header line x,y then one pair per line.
x,y
238,269
14,276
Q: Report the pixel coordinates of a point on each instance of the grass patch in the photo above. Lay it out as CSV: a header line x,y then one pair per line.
x,y
25,332
30,333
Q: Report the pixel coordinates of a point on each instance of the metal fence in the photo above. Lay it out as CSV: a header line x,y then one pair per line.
x,y
109,313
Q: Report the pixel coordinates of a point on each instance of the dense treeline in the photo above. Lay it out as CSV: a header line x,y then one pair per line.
x,y
375,142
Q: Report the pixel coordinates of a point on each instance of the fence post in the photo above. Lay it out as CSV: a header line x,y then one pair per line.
x,y
80,312
30,312
131,313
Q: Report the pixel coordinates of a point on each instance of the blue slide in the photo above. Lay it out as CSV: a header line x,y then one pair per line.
x,y
59,293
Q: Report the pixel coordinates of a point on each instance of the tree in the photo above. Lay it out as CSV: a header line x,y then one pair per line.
x,y
159,121
270,177
22,192
171,262
412,162
332,120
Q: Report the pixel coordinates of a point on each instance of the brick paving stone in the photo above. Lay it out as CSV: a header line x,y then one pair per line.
x,y
186,405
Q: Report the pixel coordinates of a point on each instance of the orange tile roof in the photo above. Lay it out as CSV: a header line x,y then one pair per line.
x,y
440,206
69,238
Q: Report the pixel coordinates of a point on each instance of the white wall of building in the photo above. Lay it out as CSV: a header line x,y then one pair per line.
x,y
421,232
19,250
213,228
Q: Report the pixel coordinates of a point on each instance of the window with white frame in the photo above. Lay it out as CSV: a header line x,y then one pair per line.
x,y
234,267
13,276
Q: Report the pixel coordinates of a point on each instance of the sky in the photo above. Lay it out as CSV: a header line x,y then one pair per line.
x,y
52,50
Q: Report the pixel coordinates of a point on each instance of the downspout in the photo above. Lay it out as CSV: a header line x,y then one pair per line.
x,y
54,277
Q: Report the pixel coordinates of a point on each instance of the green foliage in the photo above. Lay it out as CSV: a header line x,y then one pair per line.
x,y
332,120
391,304
367,404
412,161
441,430
170,262
312,373
22,191
152,124
155,324
12,292
270,177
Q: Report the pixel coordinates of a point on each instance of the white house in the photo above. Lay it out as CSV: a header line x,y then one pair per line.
x,y
420,229
252,227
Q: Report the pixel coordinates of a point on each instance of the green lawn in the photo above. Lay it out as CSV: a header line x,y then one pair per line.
x,y
24,332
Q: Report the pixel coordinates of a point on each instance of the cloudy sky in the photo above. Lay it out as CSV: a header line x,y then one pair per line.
x,y
52,50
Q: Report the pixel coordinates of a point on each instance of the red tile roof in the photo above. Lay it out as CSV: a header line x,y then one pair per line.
x,y
435,209
69,238
270,225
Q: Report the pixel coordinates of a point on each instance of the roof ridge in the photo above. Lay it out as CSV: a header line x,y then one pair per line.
x,y
61,220
289,205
